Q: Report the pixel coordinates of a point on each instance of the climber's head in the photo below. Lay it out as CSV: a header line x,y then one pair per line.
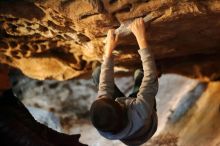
x,y
107,115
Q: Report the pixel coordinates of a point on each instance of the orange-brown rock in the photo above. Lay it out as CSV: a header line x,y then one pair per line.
x,y
200,124
54,39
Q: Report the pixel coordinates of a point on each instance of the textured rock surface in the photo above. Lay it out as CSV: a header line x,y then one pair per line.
x,y
54,39
200,124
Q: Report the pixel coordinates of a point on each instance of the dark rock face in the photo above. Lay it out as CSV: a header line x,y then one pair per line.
x,y
18,127
54,39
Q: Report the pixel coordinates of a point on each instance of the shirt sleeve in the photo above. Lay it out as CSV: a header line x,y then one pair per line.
x,y
106,84
149,85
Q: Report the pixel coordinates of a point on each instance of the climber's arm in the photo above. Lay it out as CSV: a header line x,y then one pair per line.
x,y
149,85
106,84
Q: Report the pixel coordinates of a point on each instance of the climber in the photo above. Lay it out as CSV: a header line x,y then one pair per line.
x,y
18,127
133,119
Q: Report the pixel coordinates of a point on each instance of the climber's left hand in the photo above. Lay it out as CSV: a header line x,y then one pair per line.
x,y
111,42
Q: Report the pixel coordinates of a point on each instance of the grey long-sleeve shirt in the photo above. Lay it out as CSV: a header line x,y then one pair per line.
x,y
142,118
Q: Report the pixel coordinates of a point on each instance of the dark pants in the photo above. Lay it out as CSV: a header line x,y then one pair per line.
x,y
117,92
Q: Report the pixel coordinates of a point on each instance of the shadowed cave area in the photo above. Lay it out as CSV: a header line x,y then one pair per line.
x,y
54,45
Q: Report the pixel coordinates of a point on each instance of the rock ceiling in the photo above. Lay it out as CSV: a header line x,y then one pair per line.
x,y
57,39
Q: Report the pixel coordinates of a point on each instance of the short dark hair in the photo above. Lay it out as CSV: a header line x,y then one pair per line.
x,y
106,114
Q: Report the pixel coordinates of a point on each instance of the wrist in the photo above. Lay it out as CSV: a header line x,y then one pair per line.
x,y
142,43
109,54
108,51
141,38
107,57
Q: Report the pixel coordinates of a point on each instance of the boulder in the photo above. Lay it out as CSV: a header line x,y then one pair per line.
x,y
57,39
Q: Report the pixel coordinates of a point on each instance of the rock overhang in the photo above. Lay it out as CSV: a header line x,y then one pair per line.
x,y
64,39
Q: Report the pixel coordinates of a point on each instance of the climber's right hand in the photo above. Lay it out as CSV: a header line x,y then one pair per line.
x,y
111,42
138,29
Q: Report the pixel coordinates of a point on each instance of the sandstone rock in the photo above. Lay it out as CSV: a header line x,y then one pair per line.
x,y
199,125
56,39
